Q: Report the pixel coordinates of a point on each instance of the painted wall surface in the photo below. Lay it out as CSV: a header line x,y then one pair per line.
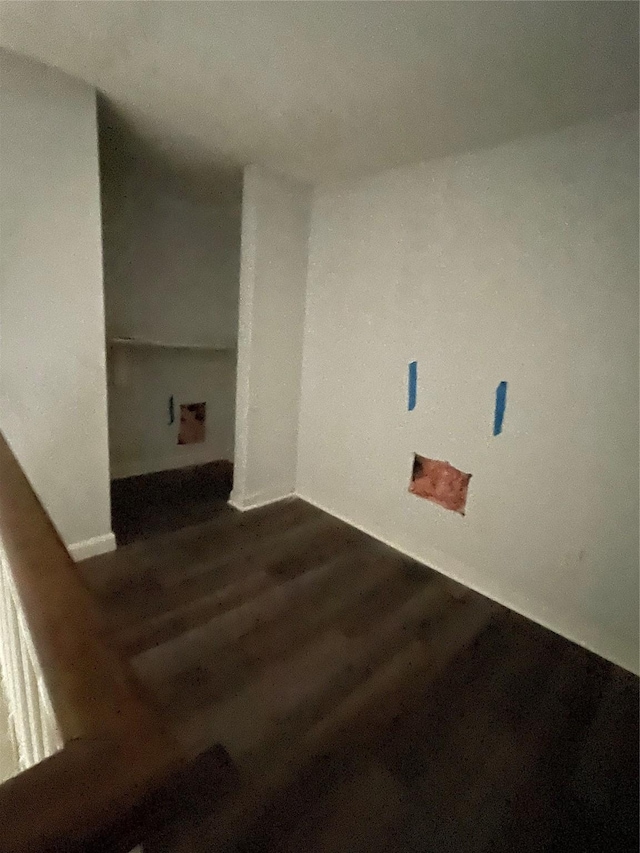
x,y
275,223
520,264
53,406
171,274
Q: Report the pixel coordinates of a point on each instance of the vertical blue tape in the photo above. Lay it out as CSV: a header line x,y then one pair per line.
x,y
501,402
413,385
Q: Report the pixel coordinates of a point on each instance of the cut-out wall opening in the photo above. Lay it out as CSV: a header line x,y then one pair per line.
x,y
192,423
440,483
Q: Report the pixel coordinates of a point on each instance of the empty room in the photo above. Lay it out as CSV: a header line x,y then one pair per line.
x,y
319,413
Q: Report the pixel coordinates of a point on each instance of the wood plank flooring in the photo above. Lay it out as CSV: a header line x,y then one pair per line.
x,y
150,504
370,703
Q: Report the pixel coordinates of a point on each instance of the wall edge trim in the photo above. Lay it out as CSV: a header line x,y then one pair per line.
x,y
92,547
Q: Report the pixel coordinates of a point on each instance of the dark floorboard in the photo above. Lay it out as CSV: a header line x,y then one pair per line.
x,y
504,753
151,504
524,742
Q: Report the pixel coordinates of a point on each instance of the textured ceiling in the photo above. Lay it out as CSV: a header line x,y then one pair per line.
x,y
324,90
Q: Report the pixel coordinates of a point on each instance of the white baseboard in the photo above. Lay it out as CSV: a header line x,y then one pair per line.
x,y
92,547
256,501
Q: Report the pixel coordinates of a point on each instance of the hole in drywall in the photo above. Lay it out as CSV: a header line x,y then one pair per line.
x,y
440,483
192,423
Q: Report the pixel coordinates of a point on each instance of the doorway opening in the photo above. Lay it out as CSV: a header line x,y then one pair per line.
x,y
171,248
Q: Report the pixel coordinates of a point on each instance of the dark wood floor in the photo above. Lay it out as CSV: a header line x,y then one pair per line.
x,y
370,704
165,501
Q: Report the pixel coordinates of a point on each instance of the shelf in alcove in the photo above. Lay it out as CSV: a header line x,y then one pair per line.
x,y
148,343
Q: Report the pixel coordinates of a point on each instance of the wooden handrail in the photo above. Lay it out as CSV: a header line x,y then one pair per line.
x,y
89,688
116,753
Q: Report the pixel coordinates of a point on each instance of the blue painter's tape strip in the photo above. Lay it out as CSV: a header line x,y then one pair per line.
x,y
501,403
413,385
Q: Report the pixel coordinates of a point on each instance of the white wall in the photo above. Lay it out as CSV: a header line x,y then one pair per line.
x,y
520,264
275,223
53,407
171,274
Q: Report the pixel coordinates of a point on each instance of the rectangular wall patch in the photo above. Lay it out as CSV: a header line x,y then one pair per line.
x,y
501,402
413,385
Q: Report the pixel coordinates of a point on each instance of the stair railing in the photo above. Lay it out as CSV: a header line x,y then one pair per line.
x,y
97,769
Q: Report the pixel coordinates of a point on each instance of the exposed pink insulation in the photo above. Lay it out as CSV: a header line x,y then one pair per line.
x,y
439,482
192,423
